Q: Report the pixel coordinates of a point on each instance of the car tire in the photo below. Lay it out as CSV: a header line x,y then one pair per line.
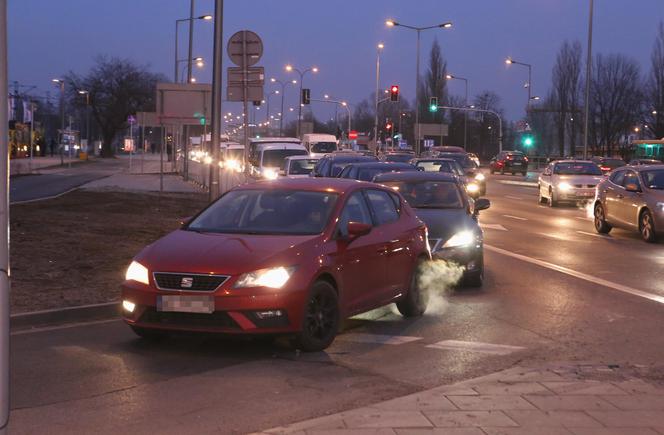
x,y
474,279
647,227
149,333
321,319
542,199
601,225
415,302
552,201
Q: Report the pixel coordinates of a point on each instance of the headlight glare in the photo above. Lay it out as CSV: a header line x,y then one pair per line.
x,y
564,186
275,277
480,177
270,174
462,238
472,188
137,272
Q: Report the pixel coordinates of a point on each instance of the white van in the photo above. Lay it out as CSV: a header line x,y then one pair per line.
x,y
319,144
270,158
232,156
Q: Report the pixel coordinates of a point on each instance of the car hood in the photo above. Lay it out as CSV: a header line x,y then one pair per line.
x,y
579,179
444,223
226,254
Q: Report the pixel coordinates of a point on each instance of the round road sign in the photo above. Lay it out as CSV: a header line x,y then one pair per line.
x,y
245,43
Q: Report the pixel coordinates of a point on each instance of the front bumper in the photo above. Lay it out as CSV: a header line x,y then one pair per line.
x,y
236,311
470,257
580,194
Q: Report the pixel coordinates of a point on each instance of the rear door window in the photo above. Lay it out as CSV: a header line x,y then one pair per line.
x,y
355,210
383,207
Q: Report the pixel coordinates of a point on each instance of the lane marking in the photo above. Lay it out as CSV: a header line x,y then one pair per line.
x,y
359,337
475,346
493,227
519,183
515,217
67,326
592,234
583,218
513,197
579,275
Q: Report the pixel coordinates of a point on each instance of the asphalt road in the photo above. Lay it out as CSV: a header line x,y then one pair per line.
x,y
554,292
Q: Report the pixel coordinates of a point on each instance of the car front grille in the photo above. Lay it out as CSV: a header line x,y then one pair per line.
x,y
217,319
188,281
582,186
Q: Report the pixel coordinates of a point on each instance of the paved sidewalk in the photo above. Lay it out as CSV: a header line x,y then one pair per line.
x,y
25,166
562,400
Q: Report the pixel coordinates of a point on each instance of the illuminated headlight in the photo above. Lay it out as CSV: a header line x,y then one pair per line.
x,y
472,188
128,306
274,278
270,174
462,238
564,187
480,177
233,165
137,272
660,206
207,160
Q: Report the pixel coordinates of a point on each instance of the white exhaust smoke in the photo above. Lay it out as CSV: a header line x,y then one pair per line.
x,y
436,279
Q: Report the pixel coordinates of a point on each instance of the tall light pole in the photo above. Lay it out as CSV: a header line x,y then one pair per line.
x,y
4,225
465,114
290,68
267,108
510,61
87,117
379,48
217,87
343,104
283,95
446,25
586,98
177,24
61,84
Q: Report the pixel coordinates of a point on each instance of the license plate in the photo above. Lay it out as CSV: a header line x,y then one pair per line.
x,y
516,163
586,194
185,304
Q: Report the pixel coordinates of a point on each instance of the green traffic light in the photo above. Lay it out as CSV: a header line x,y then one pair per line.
x,y
433,108
528,141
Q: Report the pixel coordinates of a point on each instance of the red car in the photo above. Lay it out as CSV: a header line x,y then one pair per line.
x,y
289,256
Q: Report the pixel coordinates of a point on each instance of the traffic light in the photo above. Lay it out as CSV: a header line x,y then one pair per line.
x,y
388,125
394,93
306,96
433,104
527,140
257,103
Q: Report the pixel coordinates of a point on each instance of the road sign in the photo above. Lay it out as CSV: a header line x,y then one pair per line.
x,y
234,93
245,42
255,76
352,135
131,119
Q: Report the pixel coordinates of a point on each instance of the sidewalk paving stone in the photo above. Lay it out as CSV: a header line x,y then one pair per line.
x,y
365,431
629,418
642,402
442,431
536,418
569,403
614,431
470,419
499,388
583,388
376,418
418,402
490,403
526,431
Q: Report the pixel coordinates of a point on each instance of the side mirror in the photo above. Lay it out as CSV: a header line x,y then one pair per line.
x,y
632,187
481,204
185,221
358,229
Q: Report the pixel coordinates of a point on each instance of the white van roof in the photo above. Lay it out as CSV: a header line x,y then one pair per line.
x,y
319,137
259,140
280,146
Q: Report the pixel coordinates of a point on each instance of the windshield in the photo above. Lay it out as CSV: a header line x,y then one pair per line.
x,y
368,174
301,167
400,158
576,168
653,179
612,163
275,158
462,159
323,147
267,212
428,194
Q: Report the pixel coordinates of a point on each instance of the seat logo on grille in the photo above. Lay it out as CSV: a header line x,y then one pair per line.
x,y
187,282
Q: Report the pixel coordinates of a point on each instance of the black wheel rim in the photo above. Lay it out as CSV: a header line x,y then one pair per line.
x,y
321,316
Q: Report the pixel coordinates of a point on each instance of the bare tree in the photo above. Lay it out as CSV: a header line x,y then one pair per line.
x,y
433,85
564,98
616,98
654,90
117,89
484,126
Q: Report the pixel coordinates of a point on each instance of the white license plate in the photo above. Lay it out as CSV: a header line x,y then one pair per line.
x,y
586,194
185,304
517,163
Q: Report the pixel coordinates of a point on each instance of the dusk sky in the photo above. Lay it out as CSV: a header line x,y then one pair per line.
x,y
49,38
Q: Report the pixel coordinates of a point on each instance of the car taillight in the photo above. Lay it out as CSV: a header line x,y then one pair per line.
x,y
509,157
525,159
605,168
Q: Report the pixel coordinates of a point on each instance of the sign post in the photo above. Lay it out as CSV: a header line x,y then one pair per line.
x,y
131,120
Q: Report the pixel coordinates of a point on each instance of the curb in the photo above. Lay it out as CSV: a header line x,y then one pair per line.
x,y
64,315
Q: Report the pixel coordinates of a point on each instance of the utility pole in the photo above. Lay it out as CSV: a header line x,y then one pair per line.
x,y
217,75
191,39
586,103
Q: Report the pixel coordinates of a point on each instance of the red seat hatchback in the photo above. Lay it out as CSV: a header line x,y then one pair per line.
x,y
289,256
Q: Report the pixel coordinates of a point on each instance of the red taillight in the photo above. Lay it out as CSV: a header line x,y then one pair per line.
x,y
525,159
605,168
499,163
509,157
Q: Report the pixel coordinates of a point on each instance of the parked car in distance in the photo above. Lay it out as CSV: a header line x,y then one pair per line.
x,y
637,162
440,200
287,257
608,164
631,198
568,181
331,165
368,170
319,144
509,161
299,166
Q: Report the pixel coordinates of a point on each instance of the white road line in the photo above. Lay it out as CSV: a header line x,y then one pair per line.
x,y
519,183
493,227
513,197
515,217
585,233
579,275
583,218
67,326
378,338
474,346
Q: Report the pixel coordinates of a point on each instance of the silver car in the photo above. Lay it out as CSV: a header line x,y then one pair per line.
x,y
632,198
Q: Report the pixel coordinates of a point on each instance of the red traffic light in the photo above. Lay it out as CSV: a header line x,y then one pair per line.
x,y
388,126
395,89
394,93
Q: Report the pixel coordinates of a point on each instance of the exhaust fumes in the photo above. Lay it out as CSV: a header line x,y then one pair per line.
x,y
436,279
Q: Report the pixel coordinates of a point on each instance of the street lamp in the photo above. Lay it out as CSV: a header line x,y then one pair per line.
x,y
379,48
177,24
445,25
87,117
290,68
283,95
465,113
510,61
267,109
61,84
200,63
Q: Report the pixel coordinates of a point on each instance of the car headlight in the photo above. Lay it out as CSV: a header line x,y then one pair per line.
x,y
462,238
480,177
472,188
270,174
137,272
563,186
275,277
660,206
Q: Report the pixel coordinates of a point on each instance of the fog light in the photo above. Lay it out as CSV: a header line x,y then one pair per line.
x,y
271,314
128,306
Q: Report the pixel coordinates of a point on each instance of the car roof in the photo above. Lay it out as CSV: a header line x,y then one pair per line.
x,y
275,139
380,164
350,157
281,146
433,159
302,157
415,176
573,161
640,168
323,184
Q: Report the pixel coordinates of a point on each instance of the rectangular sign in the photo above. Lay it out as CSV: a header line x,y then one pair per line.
x,y
255,75
234,93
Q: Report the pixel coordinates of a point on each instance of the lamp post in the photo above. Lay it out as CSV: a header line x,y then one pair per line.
x,y
586,98
87,118
177,24
465,114
379,48
510,61
344,104
61,84
290,68
200,63
283,95
4,226
473,109
393,23
267,108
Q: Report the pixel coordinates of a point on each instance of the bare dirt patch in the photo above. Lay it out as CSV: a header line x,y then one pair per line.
x,y
74,250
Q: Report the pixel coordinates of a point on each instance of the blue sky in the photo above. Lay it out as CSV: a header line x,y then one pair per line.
x,y
48,38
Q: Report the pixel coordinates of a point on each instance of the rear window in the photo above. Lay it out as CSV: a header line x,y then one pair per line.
x,y
276,158
323,147
576,168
